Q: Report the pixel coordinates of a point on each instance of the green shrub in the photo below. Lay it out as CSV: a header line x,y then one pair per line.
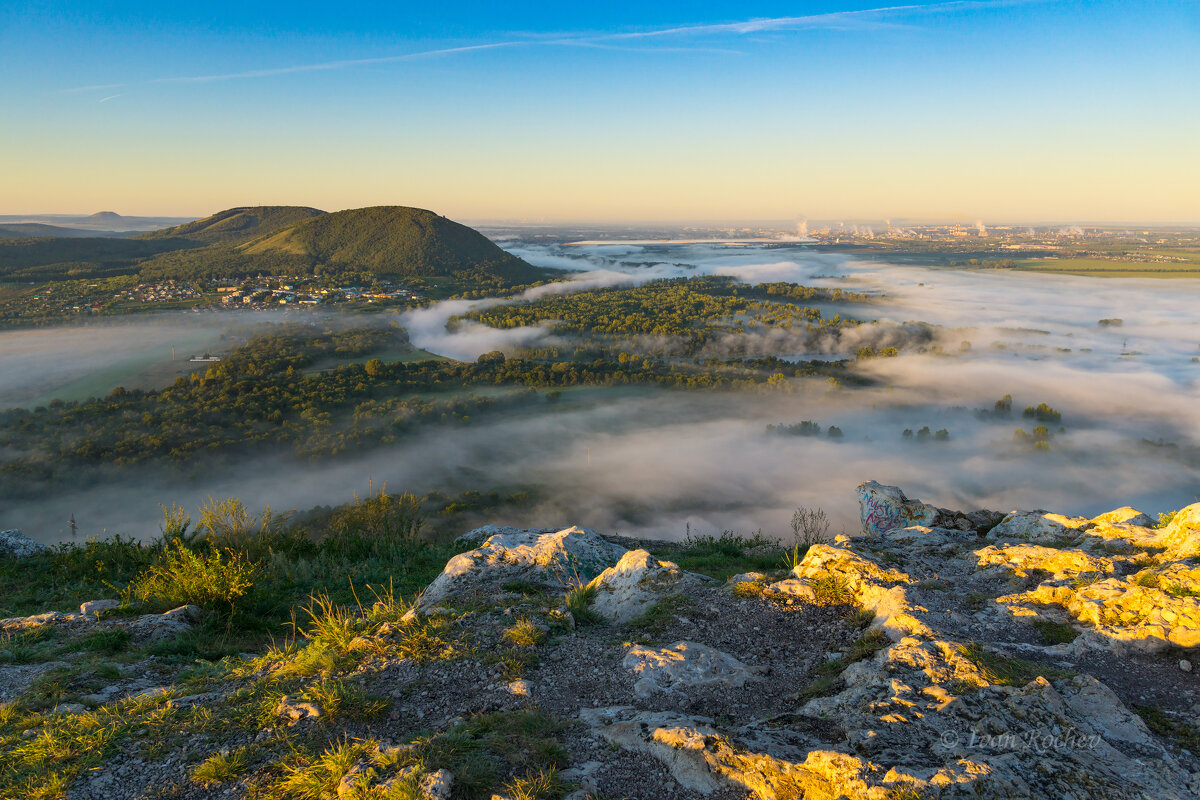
x,y
216,579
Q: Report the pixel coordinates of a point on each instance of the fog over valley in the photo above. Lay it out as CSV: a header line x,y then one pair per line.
x,y
655,462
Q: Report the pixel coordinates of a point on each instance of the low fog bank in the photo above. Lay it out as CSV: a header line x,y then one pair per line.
x,y
73,362
654,463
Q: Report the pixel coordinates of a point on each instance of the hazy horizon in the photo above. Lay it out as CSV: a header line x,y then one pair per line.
x,y
1014,110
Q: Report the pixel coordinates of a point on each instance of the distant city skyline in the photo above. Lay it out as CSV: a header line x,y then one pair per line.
x,y
1004,111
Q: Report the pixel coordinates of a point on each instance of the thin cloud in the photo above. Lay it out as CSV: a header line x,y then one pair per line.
x,y
863,19
110,97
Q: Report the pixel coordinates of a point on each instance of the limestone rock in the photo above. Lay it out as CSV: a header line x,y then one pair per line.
x,y
1181,538
551,559
1021,559
17,545
1146,612
683,665
636,583
1039,527
436,785
474,538
1124,516
295,710
94,608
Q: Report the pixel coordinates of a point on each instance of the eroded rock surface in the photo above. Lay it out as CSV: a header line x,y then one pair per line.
x,y
550,559
634,585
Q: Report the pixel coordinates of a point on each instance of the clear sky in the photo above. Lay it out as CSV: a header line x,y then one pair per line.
x,y
1083,111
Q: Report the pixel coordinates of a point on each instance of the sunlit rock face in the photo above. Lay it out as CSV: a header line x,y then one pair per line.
x,y
556,560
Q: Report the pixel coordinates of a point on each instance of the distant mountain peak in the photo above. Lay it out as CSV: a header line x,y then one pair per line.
x,y
105,215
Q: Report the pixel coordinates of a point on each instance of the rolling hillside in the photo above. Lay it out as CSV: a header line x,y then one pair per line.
x,y
235,225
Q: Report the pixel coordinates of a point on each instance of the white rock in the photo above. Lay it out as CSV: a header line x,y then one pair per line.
x,y
682,665
437,785
18,545
552,559
1037,527
1185,665
520,688
93,608
636,583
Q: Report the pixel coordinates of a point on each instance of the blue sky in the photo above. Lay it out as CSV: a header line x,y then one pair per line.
x,y
705,111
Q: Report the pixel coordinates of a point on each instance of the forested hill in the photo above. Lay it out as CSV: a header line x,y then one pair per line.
x,y
235,225
394,240
240,242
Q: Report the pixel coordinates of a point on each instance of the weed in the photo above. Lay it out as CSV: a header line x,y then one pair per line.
x,y
830,589
221,768
975,601
579,603
1183,734
745,589
317,777
933,585
1055,632
659,617
1148,579
809,526
541,785
524,632
1000,670
1179,590
342,700
108,642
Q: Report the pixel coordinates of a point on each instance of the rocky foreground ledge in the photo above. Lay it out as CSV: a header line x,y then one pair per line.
x,y
940,655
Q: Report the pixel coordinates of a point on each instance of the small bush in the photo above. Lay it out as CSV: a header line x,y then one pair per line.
x,y
746,589
541,785
216,579
1148,579
809,526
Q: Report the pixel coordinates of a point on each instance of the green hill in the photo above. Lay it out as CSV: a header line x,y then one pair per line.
x,y
236,225
394,240
63,258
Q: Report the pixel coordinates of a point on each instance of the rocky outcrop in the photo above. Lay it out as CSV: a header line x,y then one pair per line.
x,y
933,712
884,508
634,585
555,560
15,544
144,627
1181,537
683,665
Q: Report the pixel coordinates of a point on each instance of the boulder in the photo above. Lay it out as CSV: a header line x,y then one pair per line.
x,y
94,608
684,665
1181,537
1124,516
17,545
882,508
555,560
1040,527
634,585
474,538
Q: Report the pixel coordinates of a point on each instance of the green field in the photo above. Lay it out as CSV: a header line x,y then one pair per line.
x,y
1109,268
